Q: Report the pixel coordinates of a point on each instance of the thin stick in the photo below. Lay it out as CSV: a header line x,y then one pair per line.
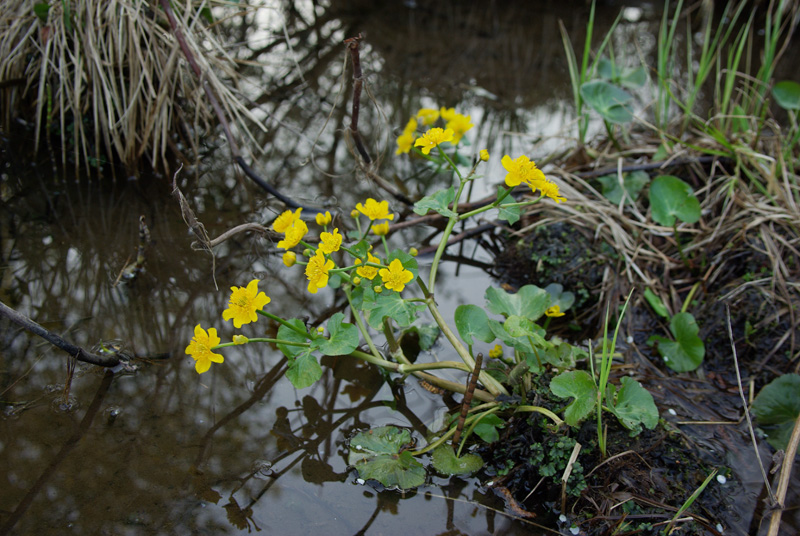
x,y
567,471
783,482
747,409
465,404
76,351
358,81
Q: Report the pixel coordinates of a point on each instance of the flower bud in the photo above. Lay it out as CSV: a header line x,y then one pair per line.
x,y
356,281
240,339
484,155
413,252
289,258
378,289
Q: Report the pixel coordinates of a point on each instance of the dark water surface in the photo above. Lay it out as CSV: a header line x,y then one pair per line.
x,y
161,450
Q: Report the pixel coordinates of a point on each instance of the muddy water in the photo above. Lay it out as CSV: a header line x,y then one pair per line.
x,y
161,450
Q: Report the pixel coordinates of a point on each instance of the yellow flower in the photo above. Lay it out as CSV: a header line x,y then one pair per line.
x,y
447,113
285,220
381,229
459,124
323,219
432,138
244,303
330,242
317,272
289,258
200,349
395,277
240,339
484,155
496,352
550,189
554,311
428,116
375,210
518,170
294,235
404,143
368,272
411,126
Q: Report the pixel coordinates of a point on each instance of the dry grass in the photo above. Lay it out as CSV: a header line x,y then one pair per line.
x,y
112,78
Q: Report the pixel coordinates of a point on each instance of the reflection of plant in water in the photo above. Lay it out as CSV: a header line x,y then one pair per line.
x,y
375,280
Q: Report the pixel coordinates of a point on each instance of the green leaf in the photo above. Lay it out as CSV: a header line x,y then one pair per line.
x,y
530,301
487,428
672,198
343,339
634,406
632,184
509,214
656,303
518,326
303,369
787,95
686,352
499,331
471,321
378,454
438,202
663,152
776,408
41,9
445,461
608,100
287,334
578,384
564,299
392,305
634,78
562,355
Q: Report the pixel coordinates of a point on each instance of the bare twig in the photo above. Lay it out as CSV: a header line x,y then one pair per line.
x,y
358,81
783,481
465,404
772,498
75,351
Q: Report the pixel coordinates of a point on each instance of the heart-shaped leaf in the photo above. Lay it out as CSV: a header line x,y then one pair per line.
x,y
379,454
303,369
608,100
445,461
672,198
530,301
776,407
343,337
438,202
578,384
632,184
787,95
686,352
634,406
471,321
558,296
487,428
391,305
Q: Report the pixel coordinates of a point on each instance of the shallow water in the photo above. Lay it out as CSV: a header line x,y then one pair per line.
x,y
161,450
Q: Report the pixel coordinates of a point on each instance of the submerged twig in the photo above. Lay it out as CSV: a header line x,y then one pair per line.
x,y
358,81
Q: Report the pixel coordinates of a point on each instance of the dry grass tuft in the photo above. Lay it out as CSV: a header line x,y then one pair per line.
x,y
112,78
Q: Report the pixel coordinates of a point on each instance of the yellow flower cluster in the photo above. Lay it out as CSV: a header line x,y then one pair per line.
x,y
456,125
293,228
523,170
375,210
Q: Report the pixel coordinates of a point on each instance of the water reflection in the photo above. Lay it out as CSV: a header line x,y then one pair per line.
x,y
163,451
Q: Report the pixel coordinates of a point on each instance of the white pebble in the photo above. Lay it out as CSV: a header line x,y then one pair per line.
x,y
719,527
360,481
574,530
721,479
357,447
562,518
672,412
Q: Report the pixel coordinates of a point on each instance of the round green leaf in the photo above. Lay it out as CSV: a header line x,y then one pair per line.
x,y
776,408
378,454
787,95
634,406
471,321
446,462
578,384
672,198
304,370
687,351
343,337
530,301
608,100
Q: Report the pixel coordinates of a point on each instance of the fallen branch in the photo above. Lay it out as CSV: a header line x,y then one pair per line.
x,y
75,351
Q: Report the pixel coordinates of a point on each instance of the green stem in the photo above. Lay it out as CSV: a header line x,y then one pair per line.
x,y
362,328
283,322
262,339
544,411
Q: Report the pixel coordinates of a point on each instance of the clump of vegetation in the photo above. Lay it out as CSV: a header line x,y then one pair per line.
x,y
110,80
